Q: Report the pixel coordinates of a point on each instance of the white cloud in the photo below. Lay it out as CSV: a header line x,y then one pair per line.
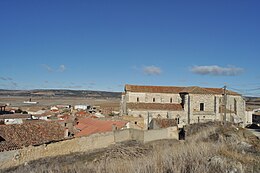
x,y
8,82
6,78
152,70
215,70
47,67
62,68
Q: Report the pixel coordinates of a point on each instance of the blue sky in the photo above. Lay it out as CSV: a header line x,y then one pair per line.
x,y
102,45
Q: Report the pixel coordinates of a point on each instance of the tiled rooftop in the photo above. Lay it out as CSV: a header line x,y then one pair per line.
x,y
177,90
221,91
31,133
88,126
164,123
153,89
154,106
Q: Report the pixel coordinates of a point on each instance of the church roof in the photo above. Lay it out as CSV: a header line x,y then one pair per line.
x,y
154,89
177,90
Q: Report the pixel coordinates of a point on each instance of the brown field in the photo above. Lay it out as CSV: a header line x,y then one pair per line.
x,y
46,102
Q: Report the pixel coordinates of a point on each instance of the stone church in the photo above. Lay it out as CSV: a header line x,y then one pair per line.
x,y
184,104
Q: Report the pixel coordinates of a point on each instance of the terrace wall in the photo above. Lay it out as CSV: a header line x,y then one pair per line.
x,y
82,144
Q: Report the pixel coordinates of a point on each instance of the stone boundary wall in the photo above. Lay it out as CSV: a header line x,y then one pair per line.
x,y
83,144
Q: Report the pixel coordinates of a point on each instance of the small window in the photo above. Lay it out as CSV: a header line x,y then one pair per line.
x,y
137,99
235,106
135,122
201,106
177,120
153,99
170,100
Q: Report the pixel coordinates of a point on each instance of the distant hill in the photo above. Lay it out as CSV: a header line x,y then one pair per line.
x,y
60,93
252,102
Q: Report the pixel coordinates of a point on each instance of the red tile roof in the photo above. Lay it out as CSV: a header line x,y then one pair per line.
x,y
31,133
153,89
221,91
81,112
177,90
197,90
155,106
164,123
88,126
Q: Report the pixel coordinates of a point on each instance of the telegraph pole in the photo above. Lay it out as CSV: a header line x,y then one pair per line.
x,y
148,121
225,104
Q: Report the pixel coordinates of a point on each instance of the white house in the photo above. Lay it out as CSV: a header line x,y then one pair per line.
x,y
81,107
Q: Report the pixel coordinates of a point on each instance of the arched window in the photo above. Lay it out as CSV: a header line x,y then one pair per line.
x,y
153,99
137,99
170,100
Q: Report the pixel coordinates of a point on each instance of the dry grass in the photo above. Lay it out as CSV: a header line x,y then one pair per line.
x,y
208,148
233,154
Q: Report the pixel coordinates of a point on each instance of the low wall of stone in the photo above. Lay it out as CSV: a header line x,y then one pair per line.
x,y
137,135
122,135
82,144
153,135
168,133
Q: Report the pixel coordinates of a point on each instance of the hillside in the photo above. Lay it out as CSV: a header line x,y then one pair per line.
x,y
60,93
209,147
